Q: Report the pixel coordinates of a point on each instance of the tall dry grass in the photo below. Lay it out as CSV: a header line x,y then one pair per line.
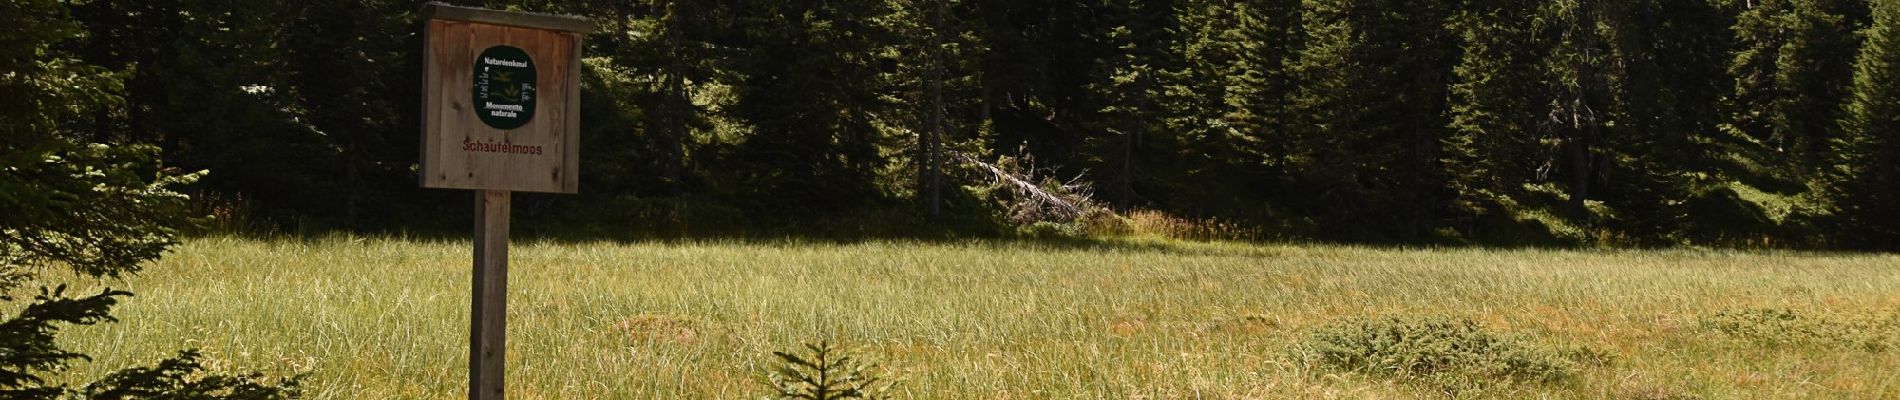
x,y
373,318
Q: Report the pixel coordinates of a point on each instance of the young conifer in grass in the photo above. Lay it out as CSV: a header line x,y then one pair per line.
x,y
825,373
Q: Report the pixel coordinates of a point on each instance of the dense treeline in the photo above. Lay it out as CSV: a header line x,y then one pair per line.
x,y
1629,122
81,198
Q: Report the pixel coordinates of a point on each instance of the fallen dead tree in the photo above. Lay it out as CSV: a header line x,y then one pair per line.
x,y
1034,197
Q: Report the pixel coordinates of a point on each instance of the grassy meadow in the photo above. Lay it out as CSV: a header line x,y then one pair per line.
x,y
377,318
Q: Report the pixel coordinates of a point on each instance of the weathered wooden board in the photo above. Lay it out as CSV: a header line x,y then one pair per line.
x,y
488,309
459,151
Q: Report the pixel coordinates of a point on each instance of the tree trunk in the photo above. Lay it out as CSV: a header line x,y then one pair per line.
x,y
678,104
1143,90
355,180
1579,153
933,141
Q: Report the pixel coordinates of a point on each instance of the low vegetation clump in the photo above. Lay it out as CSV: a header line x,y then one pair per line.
x,y
1436,350
1160,224
1775,327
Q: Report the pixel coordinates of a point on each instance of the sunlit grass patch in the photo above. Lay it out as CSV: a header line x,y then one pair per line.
x,y
381,318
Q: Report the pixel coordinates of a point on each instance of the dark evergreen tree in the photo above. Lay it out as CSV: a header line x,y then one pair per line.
x,y
1372,114
98,209
931,39
1582,87
1666,110
1213,167
666,50
1497,107
808,87
348,67
1869,165
1792,71
1265,41
1039,58
1125,114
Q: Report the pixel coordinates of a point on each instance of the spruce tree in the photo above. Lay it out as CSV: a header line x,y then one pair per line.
x,y
667,48
1259,81
1210,149
95,209
1372,113
1494,149
1127,128
927,85
1666,110
808,88
1792,71
1580,94
1869,165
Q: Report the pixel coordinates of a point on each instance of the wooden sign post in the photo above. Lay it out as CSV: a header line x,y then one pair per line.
x,y
500,113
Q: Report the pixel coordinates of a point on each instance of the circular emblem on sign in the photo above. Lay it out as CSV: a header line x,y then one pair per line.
x,y
504,87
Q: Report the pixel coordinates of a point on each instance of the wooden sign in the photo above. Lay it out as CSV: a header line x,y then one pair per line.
x,y
501,113
501,100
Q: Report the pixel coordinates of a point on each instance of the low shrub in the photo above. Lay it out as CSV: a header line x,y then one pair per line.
x,y
1787,327
1101,222
1156,223
1449,352
1050,230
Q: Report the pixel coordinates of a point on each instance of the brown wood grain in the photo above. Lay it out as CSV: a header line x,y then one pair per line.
x,y
450,117
488,310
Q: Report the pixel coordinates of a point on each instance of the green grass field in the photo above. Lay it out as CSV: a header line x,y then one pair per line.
x,y
386,318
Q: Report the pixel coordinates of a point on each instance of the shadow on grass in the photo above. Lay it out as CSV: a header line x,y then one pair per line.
x,y
1000,242
1175,247
550,222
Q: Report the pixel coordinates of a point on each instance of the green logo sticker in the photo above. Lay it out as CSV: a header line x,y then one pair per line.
x,y
504,87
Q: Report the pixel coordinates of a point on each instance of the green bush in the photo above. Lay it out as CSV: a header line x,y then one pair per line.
x,y
1434,350
1787,327
1050,230
1101,222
